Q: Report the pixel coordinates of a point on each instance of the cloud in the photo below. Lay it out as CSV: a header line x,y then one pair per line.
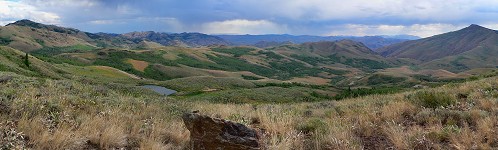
x,y
421,30
242,26
310,17
159,24
11,11
373,11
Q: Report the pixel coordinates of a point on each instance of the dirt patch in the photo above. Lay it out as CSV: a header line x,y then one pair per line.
x,y
440,73
210,90
138,64
170,56
400,70
117,70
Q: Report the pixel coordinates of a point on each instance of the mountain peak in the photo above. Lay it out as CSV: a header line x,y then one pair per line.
x,y
25,22
475,27
443,45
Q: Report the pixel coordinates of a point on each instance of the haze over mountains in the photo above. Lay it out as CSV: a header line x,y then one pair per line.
x,y
372,42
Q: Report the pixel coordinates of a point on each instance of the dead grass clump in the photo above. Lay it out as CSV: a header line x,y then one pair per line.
x,y
40,136
487,133
290,140
463,138
169,133
396,134
369,133
487,104
400,112
104,133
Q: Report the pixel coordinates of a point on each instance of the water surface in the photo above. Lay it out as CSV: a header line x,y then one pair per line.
x,y
159,89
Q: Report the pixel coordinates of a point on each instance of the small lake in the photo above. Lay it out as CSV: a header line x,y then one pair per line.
x,y
159,89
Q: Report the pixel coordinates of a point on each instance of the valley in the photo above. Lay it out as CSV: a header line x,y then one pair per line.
x,y
62,88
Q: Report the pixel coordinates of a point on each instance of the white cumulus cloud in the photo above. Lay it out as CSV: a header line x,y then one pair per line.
x,y
11,11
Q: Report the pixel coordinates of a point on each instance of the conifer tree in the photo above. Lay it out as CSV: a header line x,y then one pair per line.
x,y
26,60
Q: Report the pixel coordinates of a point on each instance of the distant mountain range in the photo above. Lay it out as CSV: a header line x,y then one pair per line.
x,y
458,51
176,39
373,42
30,36
323,60
148,38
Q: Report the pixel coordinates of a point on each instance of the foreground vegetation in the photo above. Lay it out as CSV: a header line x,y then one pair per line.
x,y
43,113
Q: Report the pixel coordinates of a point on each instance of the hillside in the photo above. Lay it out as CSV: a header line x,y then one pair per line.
x,y
27,35
176,39
439,46
372,42
13,60
345,54
465,49
143,54
39,113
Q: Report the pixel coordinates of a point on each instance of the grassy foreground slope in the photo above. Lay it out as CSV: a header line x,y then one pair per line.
x,y
64,114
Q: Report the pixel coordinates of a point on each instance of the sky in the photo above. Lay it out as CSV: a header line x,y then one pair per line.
x,y
422,18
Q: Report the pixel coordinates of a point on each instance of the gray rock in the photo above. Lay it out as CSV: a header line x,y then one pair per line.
x,y
214,133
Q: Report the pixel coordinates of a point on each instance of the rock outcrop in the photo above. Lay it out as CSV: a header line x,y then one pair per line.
x,y
5,79
219,134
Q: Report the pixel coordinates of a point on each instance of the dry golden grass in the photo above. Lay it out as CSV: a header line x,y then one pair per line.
x,y
311,80
61,114
138,64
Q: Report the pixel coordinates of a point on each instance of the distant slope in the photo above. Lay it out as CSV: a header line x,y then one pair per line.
x,y
266,44
442,45
468,48
176,39
372,42
28,36
345,52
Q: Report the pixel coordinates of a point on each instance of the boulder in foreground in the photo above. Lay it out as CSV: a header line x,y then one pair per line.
x,y
214,133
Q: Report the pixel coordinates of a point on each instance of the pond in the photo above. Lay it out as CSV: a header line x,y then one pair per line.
x,y
159,89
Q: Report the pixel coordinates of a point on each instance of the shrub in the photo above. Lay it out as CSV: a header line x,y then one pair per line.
x,y
5,41
235,51
384,79
251,77
433,99
314,125
352,93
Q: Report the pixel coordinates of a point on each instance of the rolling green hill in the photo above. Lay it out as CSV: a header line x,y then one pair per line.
x,y
343,54
336,63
